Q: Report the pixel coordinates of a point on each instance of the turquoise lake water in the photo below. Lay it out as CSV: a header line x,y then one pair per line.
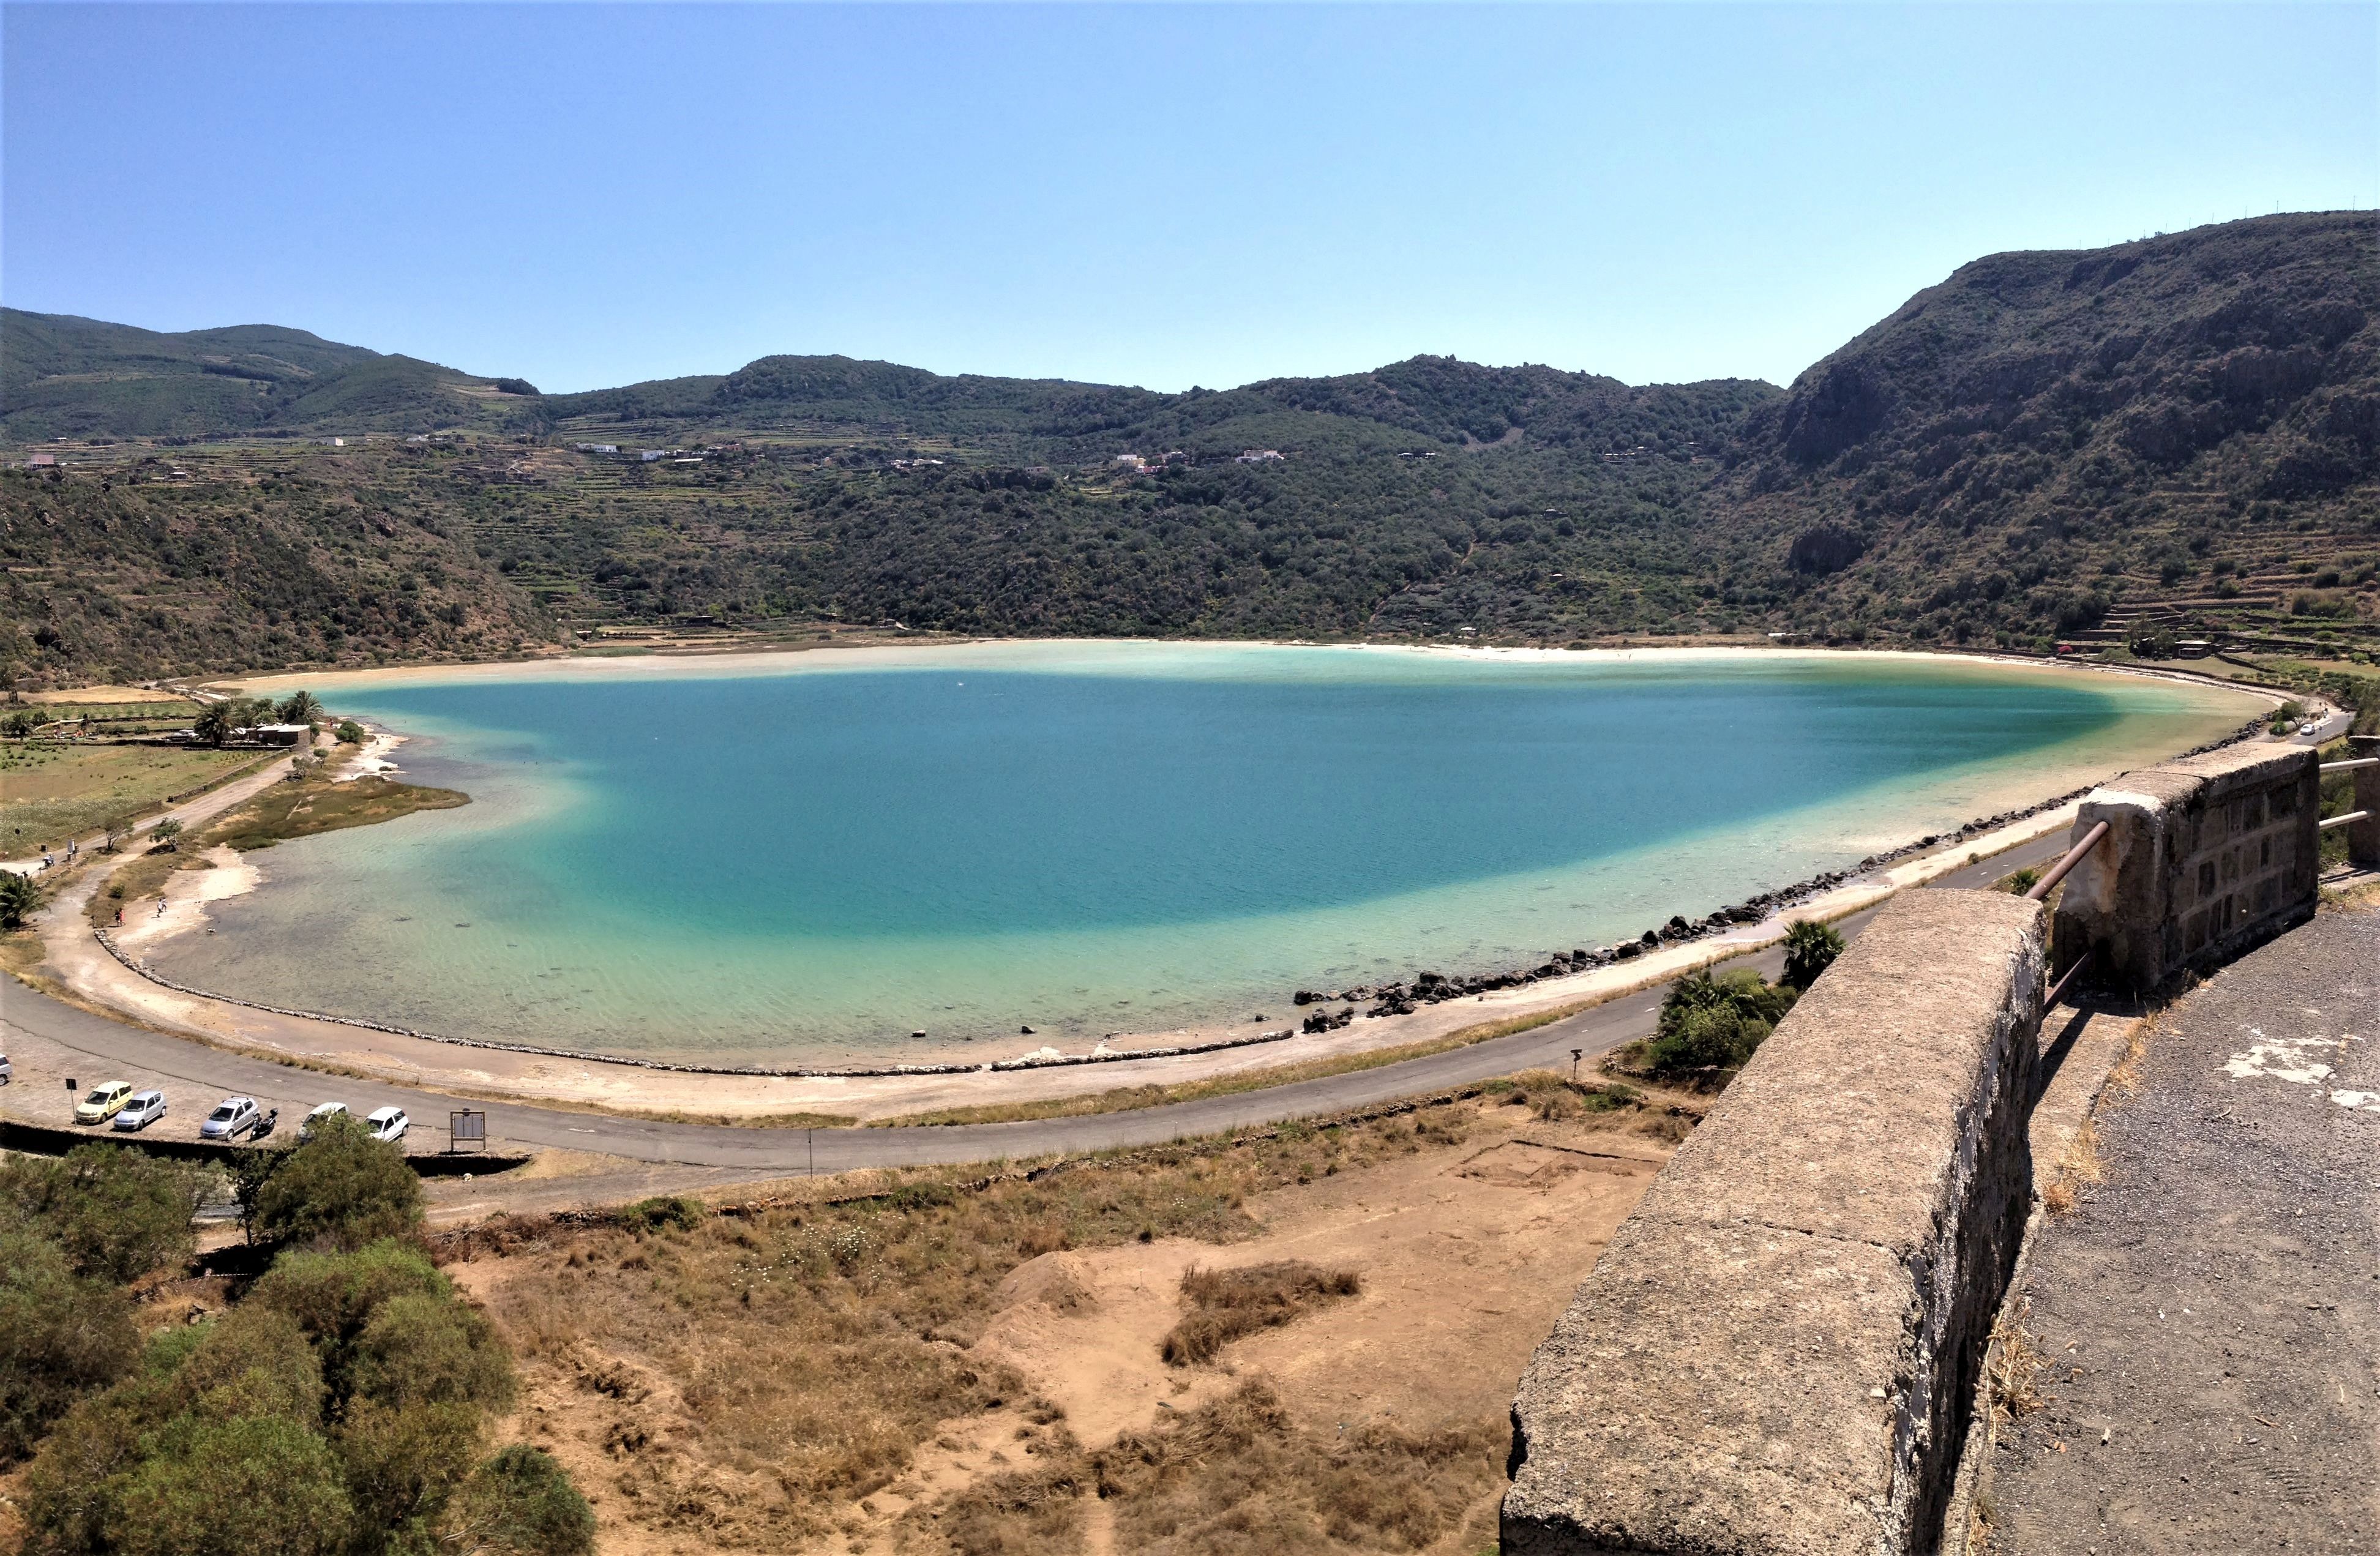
x,y
808,859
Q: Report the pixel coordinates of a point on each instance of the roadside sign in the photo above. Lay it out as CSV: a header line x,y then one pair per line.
x,y
467,1124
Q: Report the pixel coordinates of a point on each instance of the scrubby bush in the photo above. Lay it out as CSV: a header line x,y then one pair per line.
x,y
1715,1023
340,1189
521,1503
350,733
343,1405
117,1214
60,1336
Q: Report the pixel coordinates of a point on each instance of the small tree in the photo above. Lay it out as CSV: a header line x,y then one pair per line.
x,y
168,834
116,1215
1810,949
340,1189
19,898
350,733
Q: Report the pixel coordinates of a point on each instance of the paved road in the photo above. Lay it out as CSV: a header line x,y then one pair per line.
x,y
210,1073
2209,1318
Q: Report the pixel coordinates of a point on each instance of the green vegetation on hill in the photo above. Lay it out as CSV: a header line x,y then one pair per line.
x,y
62,376
2175,437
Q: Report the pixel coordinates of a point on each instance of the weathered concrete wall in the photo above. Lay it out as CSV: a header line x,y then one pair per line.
x,y
1777,1352
2204,857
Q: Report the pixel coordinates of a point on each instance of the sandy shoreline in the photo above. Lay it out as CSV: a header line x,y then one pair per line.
x,y
1024,652
78,962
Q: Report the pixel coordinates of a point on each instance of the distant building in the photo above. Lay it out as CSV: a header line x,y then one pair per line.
x,y
284,734
649,454
1258,455
41,461
595,448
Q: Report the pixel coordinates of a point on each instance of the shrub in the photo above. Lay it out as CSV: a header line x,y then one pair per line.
x,y
520,1502
1715,1023
340,1189
250,1484
60,1337
117,1214
667,1210
350,733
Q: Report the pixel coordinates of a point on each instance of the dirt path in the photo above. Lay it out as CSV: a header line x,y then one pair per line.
x,y
2208,1319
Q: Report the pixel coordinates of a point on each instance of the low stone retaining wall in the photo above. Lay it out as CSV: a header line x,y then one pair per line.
x,y
2204,857
1778,1349
45,1139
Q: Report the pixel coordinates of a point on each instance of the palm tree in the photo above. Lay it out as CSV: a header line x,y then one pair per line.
x,y
18,897
215,723
1810,949
300,708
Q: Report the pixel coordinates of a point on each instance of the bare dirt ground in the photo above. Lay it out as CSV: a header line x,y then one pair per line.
x,y
2204,1325
1373,1422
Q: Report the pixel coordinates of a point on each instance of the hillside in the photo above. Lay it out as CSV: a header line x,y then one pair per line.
x,y
2182,421
2179,434
62,376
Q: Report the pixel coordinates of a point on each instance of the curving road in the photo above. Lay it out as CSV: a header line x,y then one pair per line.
x,y
210,1073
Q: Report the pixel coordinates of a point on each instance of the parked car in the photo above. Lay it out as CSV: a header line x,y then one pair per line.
x,y
7,1072
388,1123
315,1119
233,1117
105,1100
144,1109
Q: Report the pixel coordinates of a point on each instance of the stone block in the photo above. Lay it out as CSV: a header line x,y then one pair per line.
x,y
2204,857
1777,1352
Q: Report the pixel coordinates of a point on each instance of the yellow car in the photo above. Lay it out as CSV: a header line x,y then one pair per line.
x,y
106,1100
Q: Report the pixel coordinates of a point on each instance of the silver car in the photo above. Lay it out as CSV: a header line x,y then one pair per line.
x,y
145,1109
233,1117
387,1123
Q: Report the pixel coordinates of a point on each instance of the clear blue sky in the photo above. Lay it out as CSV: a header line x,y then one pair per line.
x,y
590,195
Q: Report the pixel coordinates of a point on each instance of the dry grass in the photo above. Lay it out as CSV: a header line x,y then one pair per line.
x,y
2076,1170
1226,1303
1239,1478
2013,1367
732,1383
1123,1099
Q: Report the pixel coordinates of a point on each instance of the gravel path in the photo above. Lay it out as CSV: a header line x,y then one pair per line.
x,y
2208,1320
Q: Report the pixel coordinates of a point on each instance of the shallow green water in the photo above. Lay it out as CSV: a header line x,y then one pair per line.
x,y
809,861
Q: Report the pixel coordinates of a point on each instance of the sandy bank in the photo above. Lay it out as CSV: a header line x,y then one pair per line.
x,y
77,961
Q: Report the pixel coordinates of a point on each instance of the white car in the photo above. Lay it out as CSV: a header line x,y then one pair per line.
x,y
7,1072
387,1123
313,1120
145,1109
233,1117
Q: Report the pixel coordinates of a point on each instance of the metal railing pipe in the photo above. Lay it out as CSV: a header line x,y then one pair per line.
x,y
2329,821
2047,883
2351,762
2049,1001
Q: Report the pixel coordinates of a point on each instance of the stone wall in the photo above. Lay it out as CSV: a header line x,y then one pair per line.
x,y
1777,1352
2203,859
